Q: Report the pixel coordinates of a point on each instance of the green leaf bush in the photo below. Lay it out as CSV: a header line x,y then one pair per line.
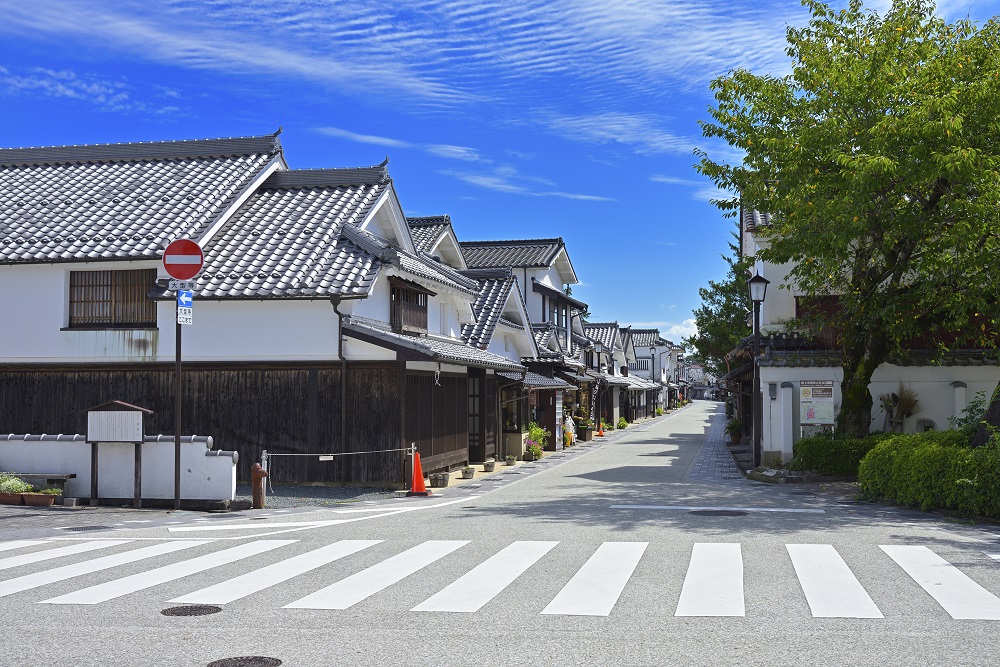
x,y
10,484
833,455
935,470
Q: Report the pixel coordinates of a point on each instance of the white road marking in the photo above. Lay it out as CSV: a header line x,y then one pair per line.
x,y
19,544
830,587
37,579
695,508
161,575
485,581
73,549
357,587
258,580
714,582
596,587
959,595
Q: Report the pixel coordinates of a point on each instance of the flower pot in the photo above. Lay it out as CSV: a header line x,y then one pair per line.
x,y
528,456
489,466
587,434
38,499
468,474
510,460
734,438
11,499
439,480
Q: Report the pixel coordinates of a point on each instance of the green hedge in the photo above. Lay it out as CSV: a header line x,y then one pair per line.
x,y
936,470
829,455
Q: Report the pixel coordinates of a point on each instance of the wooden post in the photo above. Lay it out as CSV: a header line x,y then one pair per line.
x,y
93,474
137,499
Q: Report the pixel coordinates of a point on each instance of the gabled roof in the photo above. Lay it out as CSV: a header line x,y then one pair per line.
x,y
427,267
643,339
524,253
557,294
117,201
427,230
605,333
494,290
752,219
546,340
297,237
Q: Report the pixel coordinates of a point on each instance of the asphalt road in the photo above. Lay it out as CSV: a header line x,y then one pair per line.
x,y
614,553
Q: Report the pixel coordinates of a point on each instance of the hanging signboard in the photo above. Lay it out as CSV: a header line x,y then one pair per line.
x,y
816,402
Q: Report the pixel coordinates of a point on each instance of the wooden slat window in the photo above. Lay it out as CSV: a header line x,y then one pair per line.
x,y
408,309
111,299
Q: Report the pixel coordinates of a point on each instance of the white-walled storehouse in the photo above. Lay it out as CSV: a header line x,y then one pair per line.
x,y
319,325
792,359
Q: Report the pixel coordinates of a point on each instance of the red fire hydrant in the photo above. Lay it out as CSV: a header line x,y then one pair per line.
x,y
257,475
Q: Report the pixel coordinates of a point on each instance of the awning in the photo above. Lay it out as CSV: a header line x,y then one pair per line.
x,y
536,381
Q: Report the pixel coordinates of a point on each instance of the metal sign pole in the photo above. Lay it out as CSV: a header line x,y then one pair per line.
x,y
177,417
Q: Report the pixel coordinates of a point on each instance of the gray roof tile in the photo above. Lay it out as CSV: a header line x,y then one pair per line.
x,y
494,290
295,237
76,203
520,253
426,267
427,230
602,332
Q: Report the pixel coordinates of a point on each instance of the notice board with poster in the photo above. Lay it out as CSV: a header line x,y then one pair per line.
x,y
816,402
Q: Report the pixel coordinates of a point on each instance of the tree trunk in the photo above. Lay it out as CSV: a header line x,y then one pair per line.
x,y
859,363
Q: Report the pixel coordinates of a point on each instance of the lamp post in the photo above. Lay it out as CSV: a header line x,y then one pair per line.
x,y
758,288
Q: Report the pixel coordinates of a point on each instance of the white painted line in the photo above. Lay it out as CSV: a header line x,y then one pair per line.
x,y
693,508
357,587
19,544
960,596
258,580
714,582
37,579
596,587
994,556
831,589
161,575
72,550
485,581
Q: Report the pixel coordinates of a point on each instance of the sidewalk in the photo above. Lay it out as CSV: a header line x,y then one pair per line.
x,y
714,462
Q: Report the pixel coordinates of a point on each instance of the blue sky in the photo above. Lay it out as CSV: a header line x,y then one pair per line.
x,y
519,119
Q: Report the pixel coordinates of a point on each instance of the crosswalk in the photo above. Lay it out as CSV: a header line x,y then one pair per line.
x,y
345,573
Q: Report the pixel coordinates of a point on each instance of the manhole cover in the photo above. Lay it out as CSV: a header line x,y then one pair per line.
x,y
246,661
192,610
80,529
719,513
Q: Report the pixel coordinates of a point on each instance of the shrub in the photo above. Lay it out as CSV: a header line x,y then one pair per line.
x,y
936,470
659,411
622,423
833,455
14,485
537,435
734,427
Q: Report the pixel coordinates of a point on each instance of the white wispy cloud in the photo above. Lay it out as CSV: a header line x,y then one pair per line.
x,y
441,150
673,180
508,183
104,94
643,133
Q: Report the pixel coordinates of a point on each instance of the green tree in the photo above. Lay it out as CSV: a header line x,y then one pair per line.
x,y
721,318
879,156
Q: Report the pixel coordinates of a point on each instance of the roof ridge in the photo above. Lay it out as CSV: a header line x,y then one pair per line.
x,y
421,220
334,176
137,151
514,242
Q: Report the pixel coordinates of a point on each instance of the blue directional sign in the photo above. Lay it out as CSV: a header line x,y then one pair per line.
x,y
185,298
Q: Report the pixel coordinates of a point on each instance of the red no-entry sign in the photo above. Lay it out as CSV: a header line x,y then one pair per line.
x,y
183,259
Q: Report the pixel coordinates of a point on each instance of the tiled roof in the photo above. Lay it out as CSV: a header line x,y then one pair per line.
x,y
753,219
602,332
426,267
545,333
434,349
536,381
295,237
643,339
73,203
521,253
427,230
614,380
494,290
552,292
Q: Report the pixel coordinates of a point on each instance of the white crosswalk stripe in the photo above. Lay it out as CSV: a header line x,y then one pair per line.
x,y
713,585
714,582
596,587
258,580
486,581
352,590
831,589
161,575
960,596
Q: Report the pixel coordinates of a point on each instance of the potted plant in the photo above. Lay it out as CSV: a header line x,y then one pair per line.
x,y
439,480
43,498
12,490
468,472
489,465
622,423
509,460
734,427
535,452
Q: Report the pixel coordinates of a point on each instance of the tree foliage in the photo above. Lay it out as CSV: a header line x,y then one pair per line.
x,y
879,158
721,318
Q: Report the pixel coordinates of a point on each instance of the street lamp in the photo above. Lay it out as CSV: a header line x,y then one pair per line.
x,y
758,288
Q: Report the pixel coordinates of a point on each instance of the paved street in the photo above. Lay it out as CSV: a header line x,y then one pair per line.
x,y
645,549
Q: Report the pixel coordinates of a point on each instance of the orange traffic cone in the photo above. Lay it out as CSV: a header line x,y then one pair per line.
x,y
417,488
600,429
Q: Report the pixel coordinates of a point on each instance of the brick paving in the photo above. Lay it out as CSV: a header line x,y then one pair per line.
x,y
714,462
